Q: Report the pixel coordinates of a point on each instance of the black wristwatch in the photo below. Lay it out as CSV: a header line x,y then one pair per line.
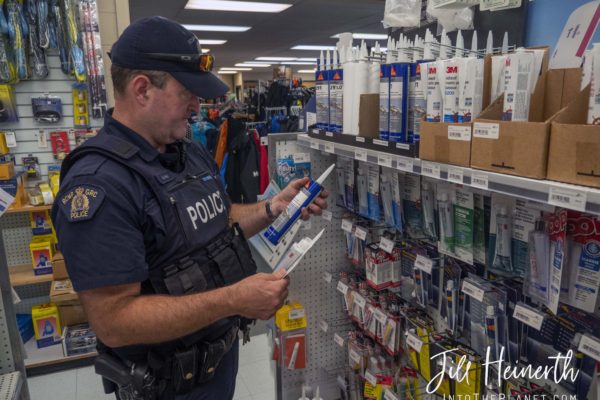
x,y
270,214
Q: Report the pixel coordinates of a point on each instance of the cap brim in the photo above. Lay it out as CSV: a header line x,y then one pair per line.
x,y
203,84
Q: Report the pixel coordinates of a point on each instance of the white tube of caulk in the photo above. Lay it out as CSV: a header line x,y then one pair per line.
x,y
450,89
293,211
517,98
434,92
502,257
470,89
489,47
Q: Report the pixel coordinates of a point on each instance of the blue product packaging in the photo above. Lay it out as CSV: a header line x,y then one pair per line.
x,y
322,94
362,189
399,102
336,100
292,167
384,102
417,105
373,196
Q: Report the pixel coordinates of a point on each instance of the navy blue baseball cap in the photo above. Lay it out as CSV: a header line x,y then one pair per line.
x,y
141,42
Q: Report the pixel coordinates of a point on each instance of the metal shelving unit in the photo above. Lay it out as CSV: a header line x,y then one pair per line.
x,y
560,194
10,386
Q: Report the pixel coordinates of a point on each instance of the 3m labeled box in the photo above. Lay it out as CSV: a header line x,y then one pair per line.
x,y
46,324
446,143
574,155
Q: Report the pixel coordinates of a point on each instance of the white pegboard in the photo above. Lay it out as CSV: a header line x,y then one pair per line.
x,y
10,386
16,233
6,355
318,297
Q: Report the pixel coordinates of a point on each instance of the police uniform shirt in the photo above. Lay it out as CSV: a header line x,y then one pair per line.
x,y
109,222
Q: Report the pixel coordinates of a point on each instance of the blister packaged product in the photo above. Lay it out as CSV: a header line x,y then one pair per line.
x,y
557,225
463,224
362,190
385,187
397,186
500,252
429,209
374,195
402,13
526,213
350,186
445,204
411,205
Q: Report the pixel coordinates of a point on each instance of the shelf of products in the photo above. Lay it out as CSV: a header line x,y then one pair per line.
x,y
22,275
574,197
49,356
10,386
28,208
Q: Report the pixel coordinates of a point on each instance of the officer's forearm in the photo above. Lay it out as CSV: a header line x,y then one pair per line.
x,y
251,217
122,317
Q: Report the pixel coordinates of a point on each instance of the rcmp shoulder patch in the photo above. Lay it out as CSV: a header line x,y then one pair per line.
x,y
81,202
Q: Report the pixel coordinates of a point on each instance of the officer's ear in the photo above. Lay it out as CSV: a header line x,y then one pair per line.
x,y
139,86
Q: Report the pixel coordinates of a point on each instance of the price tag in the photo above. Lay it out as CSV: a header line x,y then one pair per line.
x,y
590,346
354,356
359,300
329,134
327,277
486,131
386,245
11,139
568,198
323,325
342,287
339,340
424,264
372,379
347,225
360,139
314,144
403,146
315,131
329,148
360,155
414,342
297,314
380,316
301,157
379,142
529,317
405,164
326,215
480,181
456,175
431,170
360,233
471,290
42,140
456,132
385,160
389,395
264,140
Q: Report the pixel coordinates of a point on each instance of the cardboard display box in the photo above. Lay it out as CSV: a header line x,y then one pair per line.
x,y
521,148
67,301
446,143
368,117
574,145
59,268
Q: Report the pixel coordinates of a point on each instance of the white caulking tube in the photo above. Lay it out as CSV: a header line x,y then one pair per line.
x,y
434,91
294,357
470,84
474,45
427,202
450,89
517,98
505,43
290,215
489,47
460,45
594,105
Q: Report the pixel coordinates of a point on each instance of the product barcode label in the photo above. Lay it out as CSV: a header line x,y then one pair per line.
x,y
301,157
486,131
456,175
431,170
359,300
414,342
314,144
385,160
329,134
327,276
424,264
473,291
326,215
360,155
480,181
529,317
323,325
347,225
360,233
389,395
459,133
354,356
329,148
360,139
297,314
568,198
342,287
590,346
386,245
372,379
404,164
380,316
264,140
380,142
403,146
339,340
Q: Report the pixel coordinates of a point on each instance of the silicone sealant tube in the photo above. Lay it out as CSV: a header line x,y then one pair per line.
x,y
491,330
434,94
557,224
470,85
399,102
336,96
322,94
417,104
450,90
397,201
373,196
446,214
428,204
293,211
384,102
502,257
362,189
386,199
517,97
538,274
348,91
594,105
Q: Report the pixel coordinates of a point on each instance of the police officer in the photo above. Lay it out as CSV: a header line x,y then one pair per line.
x,y
153,246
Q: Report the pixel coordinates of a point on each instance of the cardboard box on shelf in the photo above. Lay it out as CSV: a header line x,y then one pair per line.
x,y
59,267
574,145
7,170
16,188
46,324
368,116
66,299
446,143
72,314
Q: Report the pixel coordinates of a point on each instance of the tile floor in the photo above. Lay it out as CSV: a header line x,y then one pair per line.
x,y
255,379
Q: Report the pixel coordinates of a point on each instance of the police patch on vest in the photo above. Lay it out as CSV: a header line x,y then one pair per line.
x,y
82,202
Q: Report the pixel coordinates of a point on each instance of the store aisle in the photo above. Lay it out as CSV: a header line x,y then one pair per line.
x,y
256,379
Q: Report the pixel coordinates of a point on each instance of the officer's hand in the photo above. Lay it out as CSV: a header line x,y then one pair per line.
x,y
260,296
280,202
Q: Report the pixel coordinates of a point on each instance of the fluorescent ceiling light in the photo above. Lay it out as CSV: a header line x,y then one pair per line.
x,y
243,6
306,71
250,64
275,58
258,62
204,51
235,69
227,72
217,28
298,62
366,36
312,47
212,41
306,59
